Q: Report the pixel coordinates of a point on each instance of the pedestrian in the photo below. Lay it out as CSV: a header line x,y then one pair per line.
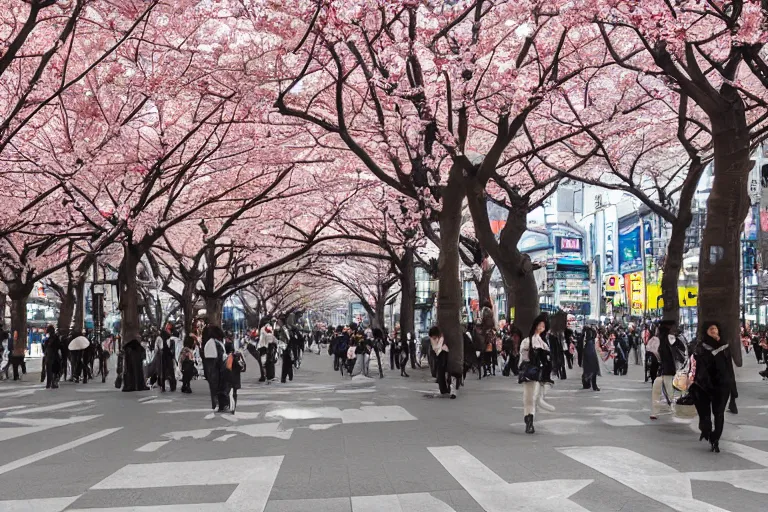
x,y
404,353
286,370
133,367
394,349
412,351
187,364
379,346
447,384
670,353
5,354
214,358
17,349
590,361
235,365
712,383
267,350
165,350
52,358
535,368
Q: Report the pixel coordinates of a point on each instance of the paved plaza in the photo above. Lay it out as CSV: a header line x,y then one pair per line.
x,y
327,444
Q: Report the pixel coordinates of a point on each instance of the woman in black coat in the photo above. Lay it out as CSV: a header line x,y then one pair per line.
x,y
590,361
214,359
52,358
133,367
712,383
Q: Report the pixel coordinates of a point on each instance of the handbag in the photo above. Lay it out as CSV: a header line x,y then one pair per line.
x,y
680,381
230,361
530,371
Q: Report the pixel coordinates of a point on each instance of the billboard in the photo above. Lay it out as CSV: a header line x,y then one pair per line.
x,y
568,244
630,254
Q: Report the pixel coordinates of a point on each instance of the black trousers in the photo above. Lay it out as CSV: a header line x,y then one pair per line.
x,y
586,382
394,359
78,366
403,361
758,353
708,406
378,360
16,362
443,378
287,367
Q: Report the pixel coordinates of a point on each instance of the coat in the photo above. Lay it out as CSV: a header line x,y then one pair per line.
x,y
714,368
590,361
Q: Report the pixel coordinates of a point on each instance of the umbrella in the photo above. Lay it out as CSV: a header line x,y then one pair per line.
x,y
79,343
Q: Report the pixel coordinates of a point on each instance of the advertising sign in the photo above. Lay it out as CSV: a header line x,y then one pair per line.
x,y
635,293
630,255
568,244
609,241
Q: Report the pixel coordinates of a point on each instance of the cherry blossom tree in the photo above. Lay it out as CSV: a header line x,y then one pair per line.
x,y
710,51
409,88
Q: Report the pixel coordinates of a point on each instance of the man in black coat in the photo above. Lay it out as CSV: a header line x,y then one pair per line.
x,y
52,358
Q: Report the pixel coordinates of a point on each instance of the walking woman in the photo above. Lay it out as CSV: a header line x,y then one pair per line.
x,y
712,383
590,362
214,358
187,364
535,369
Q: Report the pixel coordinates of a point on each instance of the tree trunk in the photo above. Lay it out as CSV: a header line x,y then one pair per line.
x,y
515,267
214,308
407,293
377,320
3,302
19,292
483,287
129,293
673,262
79,309
727,207
449,295
66,310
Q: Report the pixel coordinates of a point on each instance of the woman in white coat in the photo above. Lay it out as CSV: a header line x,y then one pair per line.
x,y
535,370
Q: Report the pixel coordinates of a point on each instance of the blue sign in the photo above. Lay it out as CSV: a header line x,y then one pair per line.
x,y
630,255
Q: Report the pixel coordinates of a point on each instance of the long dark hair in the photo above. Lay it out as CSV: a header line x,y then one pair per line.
x,y
541,318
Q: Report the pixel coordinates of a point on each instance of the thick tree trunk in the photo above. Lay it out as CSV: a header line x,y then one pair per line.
x,y
408,293
214,308
449,295
129,294
377,320
673,262
515,267
79,309
66,310
3,303
483,287
727,207
19,294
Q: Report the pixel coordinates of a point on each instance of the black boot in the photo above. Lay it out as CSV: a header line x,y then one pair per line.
x,y
704,436
715,447
529,424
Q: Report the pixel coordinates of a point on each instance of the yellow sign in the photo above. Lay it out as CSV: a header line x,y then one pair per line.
x,y
636,292
613,283
688,296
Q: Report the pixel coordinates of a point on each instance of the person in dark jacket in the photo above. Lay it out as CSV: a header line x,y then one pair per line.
x,y
52,351
133,367
590,361
187,364
214,360
712,383
233,373
671,352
